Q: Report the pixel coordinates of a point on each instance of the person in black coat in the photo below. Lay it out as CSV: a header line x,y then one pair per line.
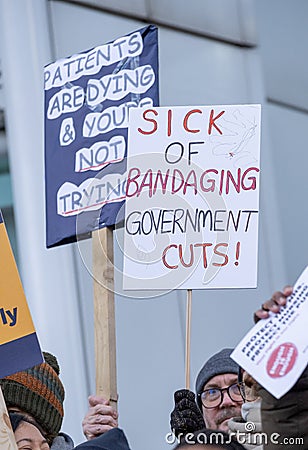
x,y
284,420
114,439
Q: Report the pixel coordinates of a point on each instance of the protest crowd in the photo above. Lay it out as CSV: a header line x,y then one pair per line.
x,y
229,409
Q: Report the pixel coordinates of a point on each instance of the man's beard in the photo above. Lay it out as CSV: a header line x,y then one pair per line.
x,y
226,413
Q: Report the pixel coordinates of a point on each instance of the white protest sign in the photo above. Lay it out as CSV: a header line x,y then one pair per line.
x,y
275,351
192,197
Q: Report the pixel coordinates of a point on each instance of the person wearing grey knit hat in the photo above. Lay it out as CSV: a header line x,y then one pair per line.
x,y
218,394
218,397
218,364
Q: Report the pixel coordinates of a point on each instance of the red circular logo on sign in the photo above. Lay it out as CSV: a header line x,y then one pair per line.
x,y
282,360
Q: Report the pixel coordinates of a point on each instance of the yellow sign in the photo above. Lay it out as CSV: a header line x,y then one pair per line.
x,y
15,318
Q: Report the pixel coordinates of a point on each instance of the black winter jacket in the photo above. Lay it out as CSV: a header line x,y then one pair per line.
x,y
285,420
111,440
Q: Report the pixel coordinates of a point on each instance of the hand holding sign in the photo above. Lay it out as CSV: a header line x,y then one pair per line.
x,y
100,417
274,351
274,304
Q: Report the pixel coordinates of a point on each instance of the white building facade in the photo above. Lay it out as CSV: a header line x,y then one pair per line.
x,y
222,52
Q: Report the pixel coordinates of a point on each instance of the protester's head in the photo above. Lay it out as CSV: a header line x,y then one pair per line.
x,y
218,394
37,393
28,434
208,439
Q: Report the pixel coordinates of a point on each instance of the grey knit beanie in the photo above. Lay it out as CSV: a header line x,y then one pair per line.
x,y
217,365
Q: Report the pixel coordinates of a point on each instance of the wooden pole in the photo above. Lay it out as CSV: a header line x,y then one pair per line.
x,y
188,330
7,439
104,315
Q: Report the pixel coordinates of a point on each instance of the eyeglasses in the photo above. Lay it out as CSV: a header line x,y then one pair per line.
x,y
248,393
213,397
248,389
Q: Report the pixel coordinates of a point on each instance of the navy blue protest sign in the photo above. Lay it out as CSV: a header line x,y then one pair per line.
x,y
88,97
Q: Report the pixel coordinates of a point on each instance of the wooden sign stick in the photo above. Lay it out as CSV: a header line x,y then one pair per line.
x,y
187,346
7,438
104,315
